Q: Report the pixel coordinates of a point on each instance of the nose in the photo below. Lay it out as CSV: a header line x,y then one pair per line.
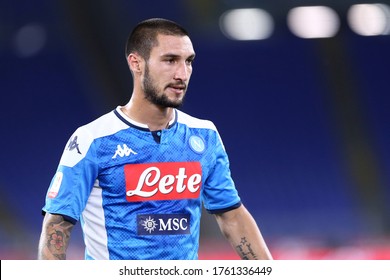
x,y
182,72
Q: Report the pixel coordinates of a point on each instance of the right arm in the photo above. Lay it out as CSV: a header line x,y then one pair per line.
x,y
54,238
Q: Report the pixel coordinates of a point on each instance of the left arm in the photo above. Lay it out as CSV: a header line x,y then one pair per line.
x,y
242,232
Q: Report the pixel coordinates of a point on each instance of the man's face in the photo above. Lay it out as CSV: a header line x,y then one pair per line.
x,y
168,71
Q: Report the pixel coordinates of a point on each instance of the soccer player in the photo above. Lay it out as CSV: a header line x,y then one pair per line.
x,y
137,177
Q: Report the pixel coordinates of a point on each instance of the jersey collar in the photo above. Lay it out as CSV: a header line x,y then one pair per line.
x,y
130,122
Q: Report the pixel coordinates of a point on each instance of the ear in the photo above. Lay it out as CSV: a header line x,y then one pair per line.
x,y
134,61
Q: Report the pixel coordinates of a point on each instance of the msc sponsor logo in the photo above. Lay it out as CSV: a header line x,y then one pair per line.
x,y
163,181
163,224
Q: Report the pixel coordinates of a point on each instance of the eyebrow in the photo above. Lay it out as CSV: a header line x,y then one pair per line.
x,y
175,56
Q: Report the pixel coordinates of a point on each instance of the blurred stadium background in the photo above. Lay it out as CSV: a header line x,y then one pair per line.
x,y
300,96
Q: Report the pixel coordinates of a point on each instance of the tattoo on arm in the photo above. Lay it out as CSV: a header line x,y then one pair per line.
x,y
245,250
54,238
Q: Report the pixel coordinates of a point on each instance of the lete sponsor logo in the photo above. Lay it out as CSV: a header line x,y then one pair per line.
x,y
163,181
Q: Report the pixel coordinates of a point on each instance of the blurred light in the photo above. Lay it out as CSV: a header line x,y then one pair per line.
x,y
29,40
369,19
246,24
313,22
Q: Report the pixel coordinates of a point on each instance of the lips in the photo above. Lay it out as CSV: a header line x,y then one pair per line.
x,y
179,88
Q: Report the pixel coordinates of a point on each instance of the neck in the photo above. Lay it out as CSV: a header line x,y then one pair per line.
x,y
142,111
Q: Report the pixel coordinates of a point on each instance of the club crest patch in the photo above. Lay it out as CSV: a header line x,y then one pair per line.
x,y
197,144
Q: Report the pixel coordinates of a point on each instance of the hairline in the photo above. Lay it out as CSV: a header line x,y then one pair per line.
x,y
152,28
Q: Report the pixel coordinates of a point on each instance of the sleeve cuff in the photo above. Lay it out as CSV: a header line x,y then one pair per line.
x,y
66,218
223,210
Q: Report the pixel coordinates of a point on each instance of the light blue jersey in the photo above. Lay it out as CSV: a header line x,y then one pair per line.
x,y
137,193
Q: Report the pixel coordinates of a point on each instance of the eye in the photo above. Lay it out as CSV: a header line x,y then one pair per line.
x,y
170,59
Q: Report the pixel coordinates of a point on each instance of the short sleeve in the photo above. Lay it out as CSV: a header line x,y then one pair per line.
x,y
220,194
75,176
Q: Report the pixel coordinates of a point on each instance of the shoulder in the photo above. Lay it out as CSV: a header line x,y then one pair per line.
x,y
105,125
82,138
194,122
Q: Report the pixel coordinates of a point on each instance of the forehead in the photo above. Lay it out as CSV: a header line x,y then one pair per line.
x,y
178,45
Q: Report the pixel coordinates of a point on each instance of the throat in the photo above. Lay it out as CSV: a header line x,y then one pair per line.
x,y
162,123
156,127
151,116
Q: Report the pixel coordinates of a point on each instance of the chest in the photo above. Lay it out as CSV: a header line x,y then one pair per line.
x,y
134,164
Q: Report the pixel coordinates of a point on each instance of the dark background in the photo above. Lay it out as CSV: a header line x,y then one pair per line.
x,y
305,122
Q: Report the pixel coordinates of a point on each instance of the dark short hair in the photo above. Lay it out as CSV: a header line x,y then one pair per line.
x,y
144,36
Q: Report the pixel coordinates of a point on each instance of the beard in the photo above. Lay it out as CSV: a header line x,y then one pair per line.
x,y
152,92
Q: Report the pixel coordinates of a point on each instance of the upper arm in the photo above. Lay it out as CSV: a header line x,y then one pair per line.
x,y
230,220
239,227
219,191
73,181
